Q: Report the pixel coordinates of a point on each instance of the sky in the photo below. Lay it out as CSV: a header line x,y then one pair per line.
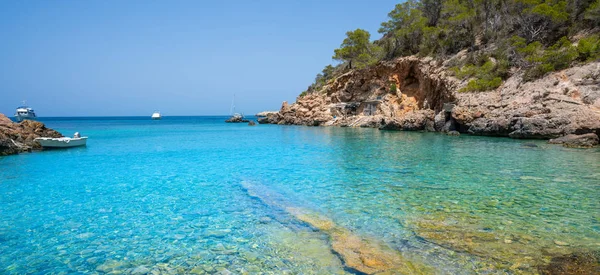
x,y
130,58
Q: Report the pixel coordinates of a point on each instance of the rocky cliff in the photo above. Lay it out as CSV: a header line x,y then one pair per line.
x,y
19,137
421,94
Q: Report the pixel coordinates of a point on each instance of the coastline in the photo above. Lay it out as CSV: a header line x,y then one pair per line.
x,y
20,137
400,200
419,94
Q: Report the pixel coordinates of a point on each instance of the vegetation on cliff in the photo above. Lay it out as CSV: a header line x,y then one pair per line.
x,y
499,37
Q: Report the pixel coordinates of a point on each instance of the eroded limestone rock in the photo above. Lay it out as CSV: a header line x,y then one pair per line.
x,y
562,103
577,141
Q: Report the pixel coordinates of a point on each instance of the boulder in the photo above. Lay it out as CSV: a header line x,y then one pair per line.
x,y
20,137
414,121
497,126
577,141
440,121
7,146
536,127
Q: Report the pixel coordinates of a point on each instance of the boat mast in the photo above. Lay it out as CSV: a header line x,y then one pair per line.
x,y
232,108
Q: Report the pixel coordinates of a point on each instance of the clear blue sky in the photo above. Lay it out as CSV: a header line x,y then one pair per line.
x,y
113,58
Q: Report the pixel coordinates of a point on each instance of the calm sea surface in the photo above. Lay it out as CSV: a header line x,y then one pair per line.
x,y
196,195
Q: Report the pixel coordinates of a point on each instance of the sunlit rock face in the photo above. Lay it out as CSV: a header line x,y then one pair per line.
x,y
408,93
19,137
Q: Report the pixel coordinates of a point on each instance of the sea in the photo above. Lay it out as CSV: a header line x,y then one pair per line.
x,y
195,195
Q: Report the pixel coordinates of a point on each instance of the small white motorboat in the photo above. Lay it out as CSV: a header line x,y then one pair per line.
x,y
63,142
156,115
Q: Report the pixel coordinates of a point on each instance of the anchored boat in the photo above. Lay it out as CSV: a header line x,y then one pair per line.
x,y
24,112
63,142
156,115
236,117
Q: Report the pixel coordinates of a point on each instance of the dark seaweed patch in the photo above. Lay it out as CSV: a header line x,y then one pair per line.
x,y
581,263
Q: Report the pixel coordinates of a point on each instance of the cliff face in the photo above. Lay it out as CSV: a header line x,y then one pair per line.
x,y
420,94
19,137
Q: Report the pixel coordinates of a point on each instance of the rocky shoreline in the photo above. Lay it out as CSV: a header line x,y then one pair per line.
x,y
420,94
20,137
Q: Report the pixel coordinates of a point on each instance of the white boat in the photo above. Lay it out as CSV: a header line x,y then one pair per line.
x,y
63,142
24,112
156,115
235,117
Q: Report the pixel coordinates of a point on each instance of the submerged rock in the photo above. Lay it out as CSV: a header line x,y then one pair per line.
x,y
140,270
509,248
530,145
577,141
573,264
365,256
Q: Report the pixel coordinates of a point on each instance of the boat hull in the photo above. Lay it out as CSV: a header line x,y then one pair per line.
x,y
62,142
20,118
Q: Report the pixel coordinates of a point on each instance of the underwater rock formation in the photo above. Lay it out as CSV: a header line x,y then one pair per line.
x,y
577,141
578,263
365,256
519,252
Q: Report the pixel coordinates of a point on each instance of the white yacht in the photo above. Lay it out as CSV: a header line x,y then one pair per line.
x,y
156,115
24,112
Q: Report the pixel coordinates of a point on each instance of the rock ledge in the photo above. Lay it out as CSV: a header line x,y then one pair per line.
x,y
19,137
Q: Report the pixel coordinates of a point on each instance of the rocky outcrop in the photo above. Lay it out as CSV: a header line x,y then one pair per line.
x,y
420,95
236,119
422,120
562,103
264,117
19,137
389,90
577,141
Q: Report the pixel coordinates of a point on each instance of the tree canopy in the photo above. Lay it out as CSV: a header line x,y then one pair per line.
x,y
357,48
535,35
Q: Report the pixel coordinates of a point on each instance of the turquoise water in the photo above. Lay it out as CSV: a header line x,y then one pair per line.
x,y
168,197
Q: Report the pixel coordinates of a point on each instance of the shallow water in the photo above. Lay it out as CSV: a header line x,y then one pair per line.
x,y
167,196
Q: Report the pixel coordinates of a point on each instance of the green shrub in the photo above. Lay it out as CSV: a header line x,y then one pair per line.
x,y
592,14
482,85
537,72
588,48
487,76
393,88
556,57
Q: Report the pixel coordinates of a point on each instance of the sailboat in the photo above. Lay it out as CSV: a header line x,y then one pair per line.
x,y
235,117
